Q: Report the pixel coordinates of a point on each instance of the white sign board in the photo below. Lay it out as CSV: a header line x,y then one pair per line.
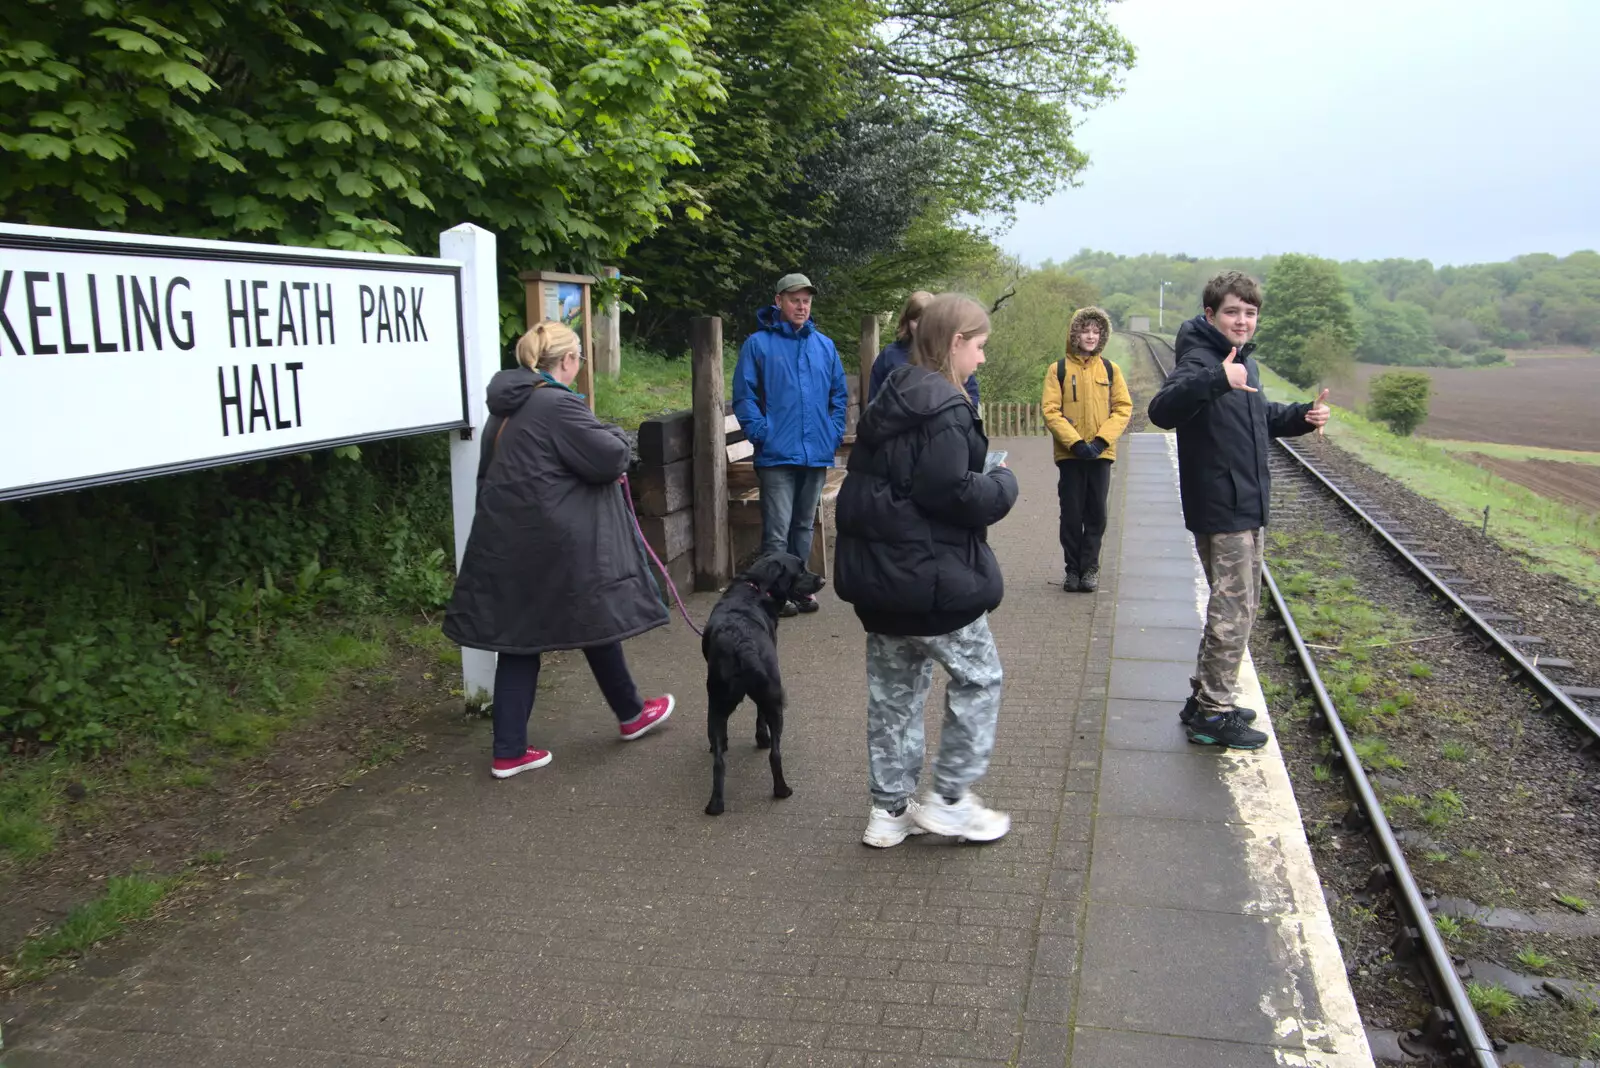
x,y
123,356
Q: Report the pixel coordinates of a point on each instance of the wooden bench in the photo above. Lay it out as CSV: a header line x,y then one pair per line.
x,y
744,503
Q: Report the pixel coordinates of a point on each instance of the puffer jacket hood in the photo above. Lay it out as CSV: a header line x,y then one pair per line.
x,y
910,397
509,390
1089,315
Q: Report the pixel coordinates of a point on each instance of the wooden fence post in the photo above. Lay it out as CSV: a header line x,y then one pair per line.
x,y
713,555
869,353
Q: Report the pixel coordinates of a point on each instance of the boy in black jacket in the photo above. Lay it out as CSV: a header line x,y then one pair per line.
x,y
1224,423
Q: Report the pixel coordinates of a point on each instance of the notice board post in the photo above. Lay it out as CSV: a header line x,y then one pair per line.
x,y
565,299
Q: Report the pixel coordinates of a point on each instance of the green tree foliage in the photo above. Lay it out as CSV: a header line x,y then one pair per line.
x,y
1003,85
855,139
1532,301
1395,332
1400,400
1029,326
362,124
1305,298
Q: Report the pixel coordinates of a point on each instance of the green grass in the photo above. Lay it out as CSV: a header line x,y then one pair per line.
x,y
1518,452
1574,902
1492,999
1559,537
126,900
1529,957
651,384
39,793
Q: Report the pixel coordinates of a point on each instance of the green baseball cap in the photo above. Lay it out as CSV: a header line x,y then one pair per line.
x,y
794,281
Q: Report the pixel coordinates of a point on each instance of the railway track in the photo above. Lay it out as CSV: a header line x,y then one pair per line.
x,y
1450,1029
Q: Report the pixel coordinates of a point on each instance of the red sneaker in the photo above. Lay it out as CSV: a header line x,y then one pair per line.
x,y
655,712
533,758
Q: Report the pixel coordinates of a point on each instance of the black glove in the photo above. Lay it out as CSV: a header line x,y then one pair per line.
x,y
1083,450
1098,446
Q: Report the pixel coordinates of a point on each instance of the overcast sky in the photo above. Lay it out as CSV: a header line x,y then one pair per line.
x,y
1461,132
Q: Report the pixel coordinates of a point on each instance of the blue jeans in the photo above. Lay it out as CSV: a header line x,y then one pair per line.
x,y
789,496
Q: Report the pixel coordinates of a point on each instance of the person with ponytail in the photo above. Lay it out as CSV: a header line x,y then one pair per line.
x,y
553,560
913,558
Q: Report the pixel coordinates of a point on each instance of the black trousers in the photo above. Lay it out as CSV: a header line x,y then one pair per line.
x,y
516,681
1082,486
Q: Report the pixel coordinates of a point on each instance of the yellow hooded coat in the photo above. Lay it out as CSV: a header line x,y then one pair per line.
x,y
1085,403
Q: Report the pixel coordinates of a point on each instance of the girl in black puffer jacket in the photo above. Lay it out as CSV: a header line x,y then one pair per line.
x,y
914,559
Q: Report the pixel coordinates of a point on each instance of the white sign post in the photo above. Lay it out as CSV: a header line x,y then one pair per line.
x,y
124,356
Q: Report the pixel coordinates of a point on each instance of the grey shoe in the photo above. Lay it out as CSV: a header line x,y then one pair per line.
x,y
1089,581
1070,583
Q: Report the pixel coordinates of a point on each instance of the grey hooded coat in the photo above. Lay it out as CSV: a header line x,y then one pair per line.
x,y
553,560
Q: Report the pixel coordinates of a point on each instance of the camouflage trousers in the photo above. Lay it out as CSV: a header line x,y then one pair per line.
x,y
1232,564
899,675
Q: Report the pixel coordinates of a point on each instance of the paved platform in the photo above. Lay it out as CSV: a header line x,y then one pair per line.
x,y
1153,905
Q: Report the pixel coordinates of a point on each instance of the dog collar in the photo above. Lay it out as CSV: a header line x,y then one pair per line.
x,y
758,589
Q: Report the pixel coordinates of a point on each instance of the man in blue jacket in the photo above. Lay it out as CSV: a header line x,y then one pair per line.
x,y
790,398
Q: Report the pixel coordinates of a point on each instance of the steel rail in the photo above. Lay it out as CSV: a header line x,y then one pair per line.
x,y
1442,973
1553,694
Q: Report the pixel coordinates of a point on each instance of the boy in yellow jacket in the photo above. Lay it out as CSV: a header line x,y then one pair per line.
x,y
1087,407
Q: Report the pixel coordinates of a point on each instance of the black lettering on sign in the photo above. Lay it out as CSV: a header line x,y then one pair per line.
x,y
385,324
187,341
5,320
279,422
37,311
369,304
122,310
294,370
400,324
285,315
146,313
240,313
323,313
66,317
258,398
100,344
417,329
258,312
234,399
300,288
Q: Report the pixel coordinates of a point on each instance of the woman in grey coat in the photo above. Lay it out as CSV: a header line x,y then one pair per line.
x,y
553,560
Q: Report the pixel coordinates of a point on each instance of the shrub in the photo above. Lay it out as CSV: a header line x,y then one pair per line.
x,y
1400,400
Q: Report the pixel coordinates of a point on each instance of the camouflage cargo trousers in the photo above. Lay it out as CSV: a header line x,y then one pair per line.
x,y
899,675
1232,564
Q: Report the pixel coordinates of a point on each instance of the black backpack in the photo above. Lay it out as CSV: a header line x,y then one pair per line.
x,y
1061,373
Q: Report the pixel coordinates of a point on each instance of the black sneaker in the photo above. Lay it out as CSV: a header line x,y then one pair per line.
x,y
1191,712
807,604
788,609
1071,582
1089,581
1226,730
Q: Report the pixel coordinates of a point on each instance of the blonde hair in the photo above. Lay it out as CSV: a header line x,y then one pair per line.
x,y
944,317
546,345
917,301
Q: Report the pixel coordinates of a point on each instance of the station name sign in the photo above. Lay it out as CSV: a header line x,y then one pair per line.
x,y
125,356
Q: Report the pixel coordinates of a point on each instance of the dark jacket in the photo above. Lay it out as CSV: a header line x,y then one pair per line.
x,y
913,554
1223,433
789,393
897,353
553,561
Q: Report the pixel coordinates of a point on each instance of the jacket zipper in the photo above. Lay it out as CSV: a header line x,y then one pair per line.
x,y
1074,389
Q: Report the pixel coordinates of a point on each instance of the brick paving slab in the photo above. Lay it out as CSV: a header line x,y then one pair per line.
x,y
589,913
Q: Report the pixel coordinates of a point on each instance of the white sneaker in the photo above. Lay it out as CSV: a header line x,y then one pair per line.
x,y
967,819
885,830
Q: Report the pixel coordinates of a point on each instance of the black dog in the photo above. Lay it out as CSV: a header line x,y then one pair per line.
x,y
740,645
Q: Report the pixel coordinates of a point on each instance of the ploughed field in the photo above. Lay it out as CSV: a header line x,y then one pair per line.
x,y
1546,401
1574,484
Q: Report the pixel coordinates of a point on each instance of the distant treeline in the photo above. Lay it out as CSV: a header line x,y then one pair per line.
x,y
1405,311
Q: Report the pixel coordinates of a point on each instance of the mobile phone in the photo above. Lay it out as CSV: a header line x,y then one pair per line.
x,y
993,460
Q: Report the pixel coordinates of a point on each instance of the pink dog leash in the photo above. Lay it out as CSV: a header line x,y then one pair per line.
x,y
627,495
